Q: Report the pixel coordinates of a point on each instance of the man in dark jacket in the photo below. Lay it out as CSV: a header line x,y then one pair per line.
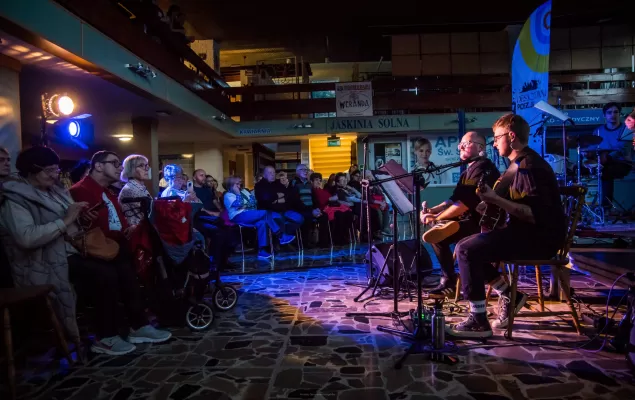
x,y
305,206
270,196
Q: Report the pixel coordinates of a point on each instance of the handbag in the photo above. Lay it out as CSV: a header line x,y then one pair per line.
x,y
94,243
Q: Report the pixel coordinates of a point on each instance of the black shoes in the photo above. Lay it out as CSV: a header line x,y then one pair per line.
x,y
445,288
474,326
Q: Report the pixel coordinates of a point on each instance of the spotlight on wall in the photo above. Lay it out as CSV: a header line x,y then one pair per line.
x,y
187,155
57,105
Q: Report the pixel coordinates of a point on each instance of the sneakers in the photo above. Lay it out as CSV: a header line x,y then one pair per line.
x,y
474,326
440,231
114,346
148,334
286,239
504,308
445,288
264,254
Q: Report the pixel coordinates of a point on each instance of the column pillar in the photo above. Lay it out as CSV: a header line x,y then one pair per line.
x,y
145,141
209,158
10,123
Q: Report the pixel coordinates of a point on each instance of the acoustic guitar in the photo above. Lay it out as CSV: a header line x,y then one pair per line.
x,y
495,217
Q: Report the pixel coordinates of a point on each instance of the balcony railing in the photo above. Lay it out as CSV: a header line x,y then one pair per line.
x,y
108,17
425,94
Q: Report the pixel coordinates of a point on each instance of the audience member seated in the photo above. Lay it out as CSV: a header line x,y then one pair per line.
x,y
96,190
5,164
212,183
36,217
176,181
352,198
136,171
210,224
355,180
237,209
304,205
270,196
339,216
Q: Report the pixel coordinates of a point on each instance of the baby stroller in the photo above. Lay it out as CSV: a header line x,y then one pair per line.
x,y
170,256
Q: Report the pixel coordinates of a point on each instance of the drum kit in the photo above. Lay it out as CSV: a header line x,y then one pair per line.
x,y
587,170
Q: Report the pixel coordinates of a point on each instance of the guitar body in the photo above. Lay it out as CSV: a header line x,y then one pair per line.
x,y
494,217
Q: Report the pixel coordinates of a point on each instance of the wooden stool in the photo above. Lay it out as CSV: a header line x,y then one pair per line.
x,y
11,297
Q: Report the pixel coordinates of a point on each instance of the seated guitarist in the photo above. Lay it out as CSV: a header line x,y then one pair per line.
x,y
460,206
535,228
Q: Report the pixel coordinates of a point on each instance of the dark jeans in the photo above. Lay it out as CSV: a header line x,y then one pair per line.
x,y
261,220
444,253
339,229
107,282
222,238
476,254
292,220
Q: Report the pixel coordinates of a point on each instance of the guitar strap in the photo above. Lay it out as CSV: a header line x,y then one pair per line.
x,y
502,185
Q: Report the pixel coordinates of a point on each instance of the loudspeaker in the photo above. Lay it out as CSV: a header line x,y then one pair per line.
x,y
406,249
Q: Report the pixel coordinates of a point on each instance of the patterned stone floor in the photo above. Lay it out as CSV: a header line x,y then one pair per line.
x,y
289,338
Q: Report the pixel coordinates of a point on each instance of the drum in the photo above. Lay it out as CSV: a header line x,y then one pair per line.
x,y
557,163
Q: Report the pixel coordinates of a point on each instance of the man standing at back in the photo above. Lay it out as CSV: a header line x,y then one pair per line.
x,y
460,207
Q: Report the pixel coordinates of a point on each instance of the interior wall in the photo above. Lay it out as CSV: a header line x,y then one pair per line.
x,y
330,160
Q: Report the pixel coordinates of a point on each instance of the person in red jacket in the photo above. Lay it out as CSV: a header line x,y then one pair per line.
x,y
94,189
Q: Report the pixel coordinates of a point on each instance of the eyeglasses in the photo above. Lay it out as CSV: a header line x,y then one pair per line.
x,y
144,166
302,170
500,136
115,163
50,170
467,144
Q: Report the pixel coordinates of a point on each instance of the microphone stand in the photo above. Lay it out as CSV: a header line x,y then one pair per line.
x,y
420,335
395,254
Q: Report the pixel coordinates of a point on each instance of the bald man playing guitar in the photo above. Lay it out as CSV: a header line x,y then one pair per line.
x,y
456,218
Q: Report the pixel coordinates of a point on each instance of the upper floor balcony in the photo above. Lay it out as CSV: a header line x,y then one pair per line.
x,y
154,42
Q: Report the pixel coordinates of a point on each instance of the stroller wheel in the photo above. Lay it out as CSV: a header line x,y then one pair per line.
x,y
199,316
225,297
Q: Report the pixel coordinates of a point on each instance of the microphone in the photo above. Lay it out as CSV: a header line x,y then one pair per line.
x,y
481,156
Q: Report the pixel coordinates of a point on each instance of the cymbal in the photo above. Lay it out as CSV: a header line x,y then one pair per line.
x,y
585,140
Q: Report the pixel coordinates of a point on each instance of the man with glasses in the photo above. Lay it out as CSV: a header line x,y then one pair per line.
x,y
535,228
461,207
105,169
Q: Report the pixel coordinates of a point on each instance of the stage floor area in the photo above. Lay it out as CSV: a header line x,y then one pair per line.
x,y
289,338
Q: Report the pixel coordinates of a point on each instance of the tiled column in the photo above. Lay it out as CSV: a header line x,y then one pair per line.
x,y
10,124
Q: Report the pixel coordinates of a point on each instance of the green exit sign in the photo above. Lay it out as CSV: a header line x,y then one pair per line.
x,y
333,142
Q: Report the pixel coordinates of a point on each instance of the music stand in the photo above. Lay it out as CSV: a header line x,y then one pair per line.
x,y
418,336
401,204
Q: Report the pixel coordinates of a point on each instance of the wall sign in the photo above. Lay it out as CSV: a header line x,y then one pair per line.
x,y
258,131
374,124
354,99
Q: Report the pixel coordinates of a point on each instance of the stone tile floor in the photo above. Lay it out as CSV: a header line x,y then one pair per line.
x,y
289,338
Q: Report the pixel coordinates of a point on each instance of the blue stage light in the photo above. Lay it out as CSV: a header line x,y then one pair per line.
x,y
74,129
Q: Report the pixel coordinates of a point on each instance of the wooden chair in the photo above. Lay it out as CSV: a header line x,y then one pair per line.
x,y
11,297
573,200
